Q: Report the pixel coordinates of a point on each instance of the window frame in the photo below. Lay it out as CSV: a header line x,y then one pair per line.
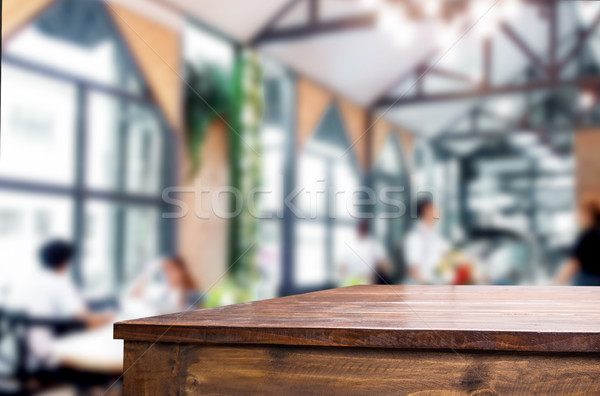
x,y
79,193
330,222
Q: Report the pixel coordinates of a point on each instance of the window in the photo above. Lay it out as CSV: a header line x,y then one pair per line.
x,y
330,177
390,180
276,131
83,151
38,127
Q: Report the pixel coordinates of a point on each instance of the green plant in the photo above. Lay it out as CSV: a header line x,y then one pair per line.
x,y
245,168
207,97
238,100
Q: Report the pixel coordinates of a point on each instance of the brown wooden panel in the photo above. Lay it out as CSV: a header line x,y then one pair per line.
x,y
312,102
281,370
202,236
18,13
151,369
587,147
156,49
358,126
380,130
543,319
408,142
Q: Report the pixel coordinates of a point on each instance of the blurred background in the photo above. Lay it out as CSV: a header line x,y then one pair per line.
x,y
126,124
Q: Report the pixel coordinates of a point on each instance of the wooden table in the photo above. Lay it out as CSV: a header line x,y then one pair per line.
x,y
375,340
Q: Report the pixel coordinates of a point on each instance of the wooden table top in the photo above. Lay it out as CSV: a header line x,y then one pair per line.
x,y
514,318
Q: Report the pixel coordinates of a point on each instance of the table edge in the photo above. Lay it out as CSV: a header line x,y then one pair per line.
x,y
451,339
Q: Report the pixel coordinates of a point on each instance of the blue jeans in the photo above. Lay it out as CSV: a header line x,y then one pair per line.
x,y
584,278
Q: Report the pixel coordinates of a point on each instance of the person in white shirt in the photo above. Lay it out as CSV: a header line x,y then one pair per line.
x,y
364,260
424,246
175,291
53,295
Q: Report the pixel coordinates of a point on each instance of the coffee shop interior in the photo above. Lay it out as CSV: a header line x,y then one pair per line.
x,y
169,155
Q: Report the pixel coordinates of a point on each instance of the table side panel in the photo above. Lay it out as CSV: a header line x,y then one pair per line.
x,y
171,368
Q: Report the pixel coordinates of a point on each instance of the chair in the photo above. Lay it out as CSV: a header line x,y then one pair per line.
x,y
15,376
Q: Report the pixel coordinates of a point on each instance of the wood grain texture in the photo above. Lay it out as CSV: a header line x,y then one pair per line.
x,y
282,370
507,318
151,369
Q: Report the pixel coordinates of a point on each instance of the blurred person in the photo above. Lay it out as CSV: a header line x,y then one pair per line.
x,y
53,295
583,266
425,248
175,291
365,261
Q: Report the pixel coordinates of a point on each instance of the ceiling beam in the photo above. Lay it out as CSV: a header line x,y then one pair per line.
x,y
487,61
523,47
315,29
580,42
553,67
275,18
488,91
441,72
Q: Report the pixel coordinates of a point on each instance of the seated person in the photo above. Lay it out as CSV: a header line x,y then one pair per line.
x,y
174,291
364,261
583,267
53,295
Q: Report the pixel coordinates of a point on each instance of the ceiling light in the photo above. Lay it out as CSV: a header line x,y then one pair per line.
x,y
504,107
392,21
485,17
510,8
447,35
432,8
587,100
370,4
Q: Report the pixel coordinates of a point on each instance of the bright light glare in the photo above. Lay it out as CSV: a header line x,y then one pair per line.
x,y
587,10
510,8
539,151
393,22
370,4
447,35
487,16
523,139
587,100
504,107
432,8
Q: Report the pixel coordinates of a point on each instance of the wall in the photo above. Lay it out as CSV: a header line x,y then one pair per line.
x,y
201,235
587,154
202,239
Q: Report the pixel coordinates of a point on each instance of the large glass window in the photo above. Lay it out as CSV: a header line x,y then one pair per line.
x,y
275,135
78,38
124,146
390,180
82,150
26,221
329,176
38,127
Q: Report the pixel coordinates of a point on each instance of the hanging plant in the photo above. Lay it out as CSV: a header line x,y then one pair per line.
x,y
245,171
238,100
207,97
